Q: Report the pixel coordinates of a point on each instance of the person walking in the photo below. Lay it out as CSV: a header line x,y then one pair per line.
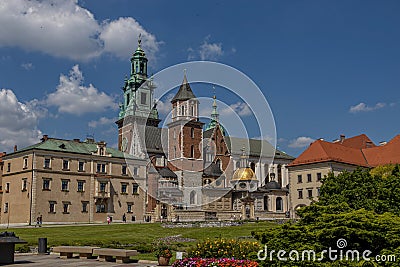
x,y
40,221
108,220
124,218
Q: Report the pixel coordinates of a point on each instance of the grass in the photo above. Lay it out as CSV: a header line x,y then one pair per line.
x,y
132,236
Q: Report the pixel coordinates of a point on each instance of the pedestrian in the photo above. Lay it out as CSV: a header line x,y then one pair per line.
x,y
124,218
108,220
37,222
40,221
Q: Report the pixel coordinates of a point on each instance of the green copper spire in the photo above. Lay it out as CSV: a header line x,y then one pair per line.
x,y
214,113
214,116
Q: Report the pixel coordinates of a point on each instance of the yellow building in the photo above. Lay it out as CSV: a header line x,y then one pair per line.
x,y
71,181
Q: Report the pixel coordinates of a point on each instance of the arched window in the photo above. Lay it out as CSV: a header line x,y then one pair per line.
x,y
182,110
279,175
193,196
266,173
192,151
218,162
192,132
192,110
174,151
279,204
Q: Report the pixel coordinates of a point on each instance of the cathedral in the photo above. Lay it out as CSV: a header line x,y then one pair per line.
x,y
195,171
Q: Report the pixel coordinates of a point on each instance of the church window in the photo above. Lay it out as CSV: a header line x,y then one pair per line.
x,y
182,111
192,132
193,197
253,166
191,110
192,151
128,98
143,99
141,67
265,202
218,162
174,151
279,204
280,175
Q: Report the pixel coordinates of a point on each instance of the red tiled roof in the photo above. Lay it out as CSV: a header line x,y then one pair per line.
x,y
358,150
360,141
385,154
322,151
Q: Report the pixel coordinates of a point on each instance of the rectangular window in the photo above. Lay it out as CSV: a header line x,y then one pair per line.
x,y
7,187
100,208
124,170
9,167
25,163
64,185
309,178
66,207
6,207
319,176
46,184
299,179
65,164
52,206
81,166
101,167
129,205
24,184
143,98
103,186
47,163
318,191
310,195
84,206
300,193
135,171
81,186
135,189
124,188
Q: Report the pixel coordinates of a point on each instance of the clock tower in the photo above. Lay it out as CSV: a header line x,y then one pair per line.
x,y
137,109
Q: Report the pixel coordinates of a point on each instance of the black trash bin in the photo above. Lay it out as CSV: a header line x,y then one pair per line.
x,y
42,248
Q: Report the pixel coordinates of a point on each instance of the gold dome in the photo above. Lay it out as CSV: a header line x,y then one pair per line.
x,y
244,174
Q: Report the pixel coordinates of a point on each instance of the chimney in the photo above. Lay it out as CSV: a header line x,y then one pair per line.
x,y
342,137
15,148
45,137
368,144
382,143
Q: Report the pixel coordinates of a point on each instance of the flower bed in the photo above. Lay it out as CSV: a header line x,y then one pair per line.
x,y
199,262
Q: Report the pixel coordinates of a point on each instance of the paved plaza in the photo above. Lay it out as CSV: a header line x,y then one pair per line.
x,y
52,260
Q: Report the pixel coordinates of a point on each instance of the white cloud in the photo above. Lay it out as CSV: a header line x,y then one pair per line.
x,y
362,107
18,122
120,38
206,51
27,66
164,106
240,108
74,98
62,28
102,121
301,142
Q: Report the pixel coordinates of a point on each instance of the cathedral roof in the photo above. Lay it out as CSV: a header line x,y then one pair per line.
x,y
184,92
212,170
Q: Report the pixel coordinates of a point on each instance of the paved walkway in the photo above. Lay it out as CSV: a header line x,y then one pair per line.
x,y
53,260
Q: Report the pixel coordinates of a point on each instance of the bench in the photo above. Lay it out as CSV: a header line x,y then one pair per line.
x,y
68,251
121,255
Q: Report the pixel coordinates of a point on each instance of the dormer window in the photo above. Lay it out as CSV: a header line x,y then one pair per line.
x,y
101,151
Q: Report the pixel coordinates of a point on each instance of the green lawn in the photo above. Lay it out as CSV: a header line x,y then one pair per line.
x,y
132,236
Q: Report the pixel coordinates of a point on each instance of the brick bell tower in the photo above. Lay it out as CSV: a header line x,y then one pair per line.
x,y
185,135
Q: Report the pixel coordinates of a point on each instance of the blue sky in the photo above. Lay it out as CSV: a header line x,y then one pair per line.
x,y
326,67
